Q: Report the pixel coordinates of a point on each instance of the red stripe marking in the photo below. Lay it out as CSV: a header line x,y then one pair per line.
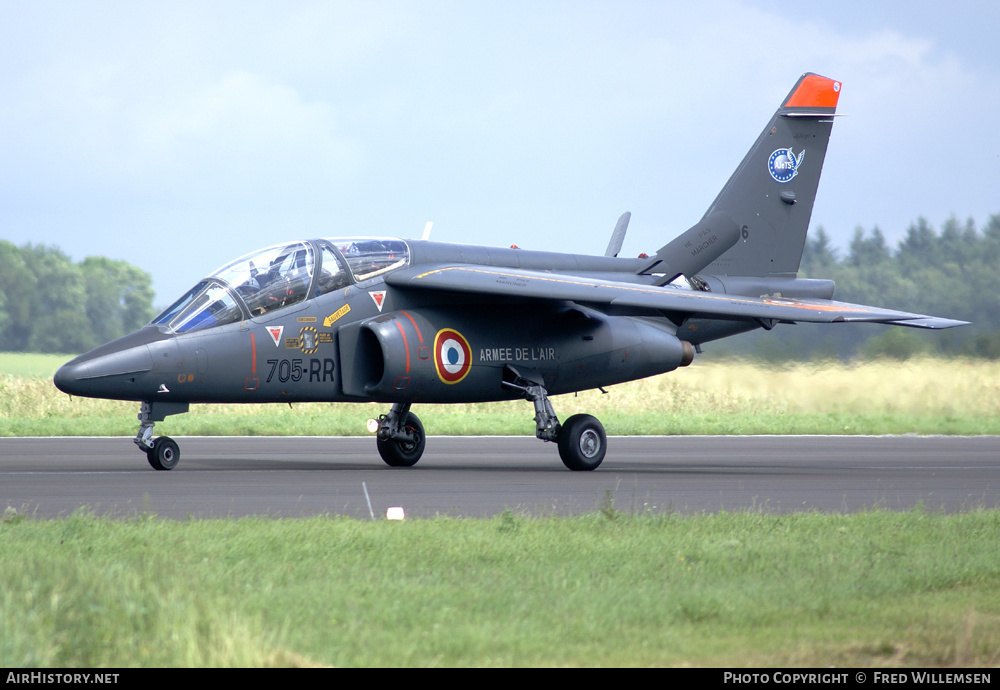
x,y
406,346
414,326
253,348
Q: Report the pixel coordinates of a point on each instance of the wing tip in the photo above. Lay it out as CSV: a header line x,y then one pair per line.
x,y
932,322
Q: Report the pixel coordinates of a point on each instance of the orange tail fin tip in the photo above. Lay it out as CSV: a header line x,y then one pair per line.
x,y
815,92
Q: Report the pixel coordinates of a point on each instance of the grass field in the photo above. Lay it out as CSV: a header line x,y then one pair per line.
x,y
923,396
31,365
608,589
748,589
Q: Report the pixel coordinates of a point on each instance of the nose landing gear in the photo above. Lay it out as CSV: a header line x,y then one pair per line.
x,y
162,453
401,437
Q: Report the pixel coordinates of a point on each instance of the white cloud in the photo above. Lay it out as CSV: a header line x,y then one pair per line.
x,y
246,130
495,120
240,130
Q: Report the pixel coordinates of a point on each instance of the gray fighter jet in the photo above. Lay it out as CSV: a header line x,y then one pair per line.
x,y
403,322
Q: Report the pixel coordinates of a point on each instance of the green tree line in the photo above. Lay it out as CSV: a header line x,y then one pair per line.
x,y
954,273
48,303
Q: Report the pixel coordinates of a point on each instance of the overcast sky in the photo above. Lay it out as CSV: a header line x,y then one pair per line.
x,y
179,135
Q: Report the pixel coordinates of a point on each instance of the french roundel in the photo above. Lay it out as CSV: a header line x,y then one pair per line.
x,y
452,356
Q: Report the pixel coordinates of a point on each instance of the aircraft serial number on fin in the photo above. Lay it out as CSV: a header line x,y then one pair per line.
x,y
516,354
318,370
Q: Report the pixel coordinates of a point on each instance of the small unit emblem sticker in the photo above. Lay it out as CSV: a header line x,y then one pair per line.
x,y
784,165
275,333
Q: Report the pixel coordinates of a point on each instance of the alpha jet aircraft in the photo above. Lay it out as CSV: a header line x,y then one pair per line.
x,y
402,322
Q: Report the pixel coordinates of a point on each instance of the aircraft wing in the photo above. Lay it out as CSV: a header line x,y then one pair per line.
x,y
518,283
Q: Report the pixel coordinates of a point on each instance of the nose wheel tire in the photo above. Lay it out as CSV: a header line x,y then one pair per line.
x,y
582,442
164,455
403,453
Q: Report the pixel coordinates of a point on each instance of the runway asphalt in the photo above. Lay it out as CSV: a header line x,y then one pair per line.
x,y
482,476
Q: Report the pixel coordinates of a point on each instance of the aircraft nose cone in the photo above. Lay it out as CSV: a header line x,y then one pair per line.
x,y
68,378
111,374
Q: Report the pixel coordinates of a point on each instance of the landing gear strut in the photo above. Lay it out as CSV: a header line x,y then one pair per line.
x,y
581,440
162,453
401,438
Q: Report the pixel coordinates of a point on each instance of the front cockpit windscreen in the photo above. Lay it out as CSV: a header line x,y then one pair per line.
x,y
207,304
270,279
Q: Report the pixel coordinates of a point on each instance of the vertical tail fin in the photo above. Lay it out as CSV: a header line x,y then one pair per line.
x,y
770,196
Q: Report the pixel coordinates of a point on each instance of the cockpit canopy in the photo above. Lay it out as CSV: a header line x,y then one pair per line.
x,y
270,279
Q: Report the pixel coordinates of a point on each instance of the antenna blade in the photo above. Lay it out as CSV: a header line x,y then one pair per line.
x,y
618,236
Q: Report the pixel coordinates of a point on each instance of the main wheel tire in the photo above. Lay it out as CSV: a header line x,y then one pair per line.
x,y
401,453
582,442
164,455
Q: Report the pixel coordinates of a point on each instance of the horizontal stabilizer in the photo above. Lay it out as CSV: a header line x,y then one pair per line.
x,y
694,249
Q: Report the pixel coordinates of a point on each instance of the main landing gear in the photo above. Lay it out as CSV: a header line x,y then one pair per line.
x,y
581,440
401,438
162,452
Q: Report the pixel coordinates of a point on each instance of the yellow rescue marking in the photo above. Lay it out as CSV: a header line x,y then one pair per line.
x,y
328,321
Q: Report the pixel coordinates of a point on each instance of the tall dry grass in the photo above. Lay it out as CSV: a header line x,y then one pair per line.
x,y
708,397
